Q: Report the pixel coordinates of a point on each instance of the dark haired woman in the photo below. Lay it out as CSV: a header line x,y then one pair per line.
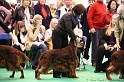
x,y
112,8
64,29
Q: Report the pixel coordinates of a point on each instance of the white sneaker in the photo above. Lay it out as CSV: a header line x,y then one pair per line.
x,y
85,61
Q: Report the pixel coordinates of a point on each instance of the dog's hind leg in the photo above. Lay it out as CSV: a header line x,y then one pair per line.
x,y
109,70
22,73
12,76
39,71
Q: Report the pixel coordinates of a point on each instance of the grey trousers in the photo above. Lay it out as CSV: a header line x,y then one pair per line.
x,y
95,39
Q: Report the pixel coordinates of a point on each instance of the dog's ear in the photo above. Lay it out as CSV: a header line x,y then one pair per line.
x,y
73,42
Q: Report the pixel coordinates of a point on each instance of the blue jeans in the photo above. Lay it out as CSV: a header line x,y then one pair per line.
x,y
39,49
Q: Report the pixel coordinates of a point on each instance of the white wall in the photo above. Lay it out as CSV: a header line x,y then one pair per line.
x,y
14,1
51,1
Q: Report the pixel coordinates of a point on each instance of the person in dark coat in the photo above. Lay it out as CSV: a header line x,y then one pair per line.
x,y
24,12
43,10
64,29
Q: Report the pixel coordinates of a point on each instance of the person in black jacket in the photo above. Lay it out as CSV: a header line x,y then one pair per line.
x,y
42,9
5,4
24,12
64,29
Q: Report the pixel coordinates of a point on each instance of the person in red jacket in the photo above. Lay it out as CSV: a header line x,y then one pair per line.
x,y
95,21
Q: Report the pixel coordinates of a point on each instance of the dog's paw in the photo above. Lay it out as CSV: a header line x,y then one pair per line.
x,y
11,76
22,77
73,77
76,77
109,78
38,78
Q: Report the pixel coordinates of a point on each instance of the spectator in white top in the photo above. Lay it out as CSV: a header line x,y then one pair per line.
x,y
121,6
48,34
65,8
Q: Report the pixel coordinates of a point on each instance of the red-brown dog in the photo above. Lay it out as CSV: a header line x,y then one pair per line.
x,y
11,58
63,60
117,62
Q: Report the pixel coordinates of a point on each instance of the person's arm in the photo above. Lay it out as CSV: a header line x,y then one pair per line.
x,y
117,33
48,35
8,31
33,35
90,16
14,16
15,40
7,12
68,25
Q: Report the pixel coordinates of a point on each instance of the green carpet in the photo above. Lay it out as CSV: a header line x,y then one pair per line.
x,y
87,75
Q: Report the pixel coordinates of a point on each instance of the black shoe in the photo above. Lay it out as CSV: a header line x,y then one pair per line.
x,y
97,71
121,76
56,76
64,75
34,68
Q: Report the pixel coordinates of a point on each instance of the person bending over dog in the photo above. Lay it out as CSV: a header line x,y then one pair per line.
x,y
64,28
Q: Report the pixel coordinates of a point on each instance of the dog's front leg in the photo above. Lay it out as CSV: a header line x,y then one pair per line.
x,y
39,71
72,73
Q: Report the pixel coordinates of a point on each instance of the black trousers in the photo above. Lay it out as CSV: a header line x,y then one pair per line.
x,y
86,51
101,52
58,42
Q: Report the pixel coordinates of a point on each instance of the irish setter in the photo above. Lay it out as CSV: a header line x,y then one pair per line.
x,y
63,60
11,58
117,62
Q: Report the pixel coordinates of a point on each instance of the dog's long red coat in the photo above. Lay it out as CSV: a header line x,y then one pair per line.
x,y
117,61
11,58
63,60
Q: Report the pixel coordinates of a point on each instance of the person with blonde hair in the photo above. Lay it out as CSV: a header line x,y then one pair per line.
x,y
24,12
119,33
35,39
107,45
48,34
63,9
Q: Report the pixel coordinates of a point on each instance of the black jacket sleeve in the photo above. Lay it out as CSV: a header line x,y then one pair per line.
x,y
4,27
